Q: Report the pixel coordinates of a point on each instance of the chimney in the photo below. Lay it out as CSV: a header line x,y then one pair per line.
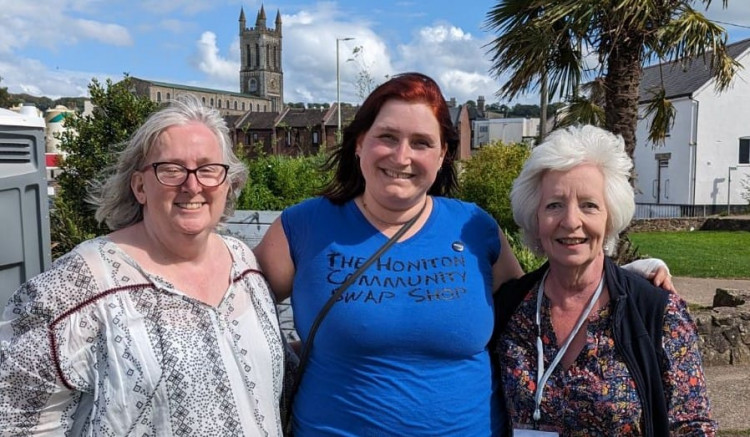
x,y
480,104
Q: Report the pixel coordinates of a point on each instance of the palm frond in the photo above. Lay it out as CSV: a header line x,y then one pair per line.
x,y
581,110
663,111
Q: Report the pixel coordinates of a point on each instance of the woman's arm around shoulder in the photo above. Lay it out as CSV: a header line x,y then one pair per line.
x,y
506,267
275,260
684,380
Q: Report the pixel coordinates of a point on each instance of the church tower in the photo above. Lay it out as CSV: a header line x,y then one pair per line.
x,y
260,69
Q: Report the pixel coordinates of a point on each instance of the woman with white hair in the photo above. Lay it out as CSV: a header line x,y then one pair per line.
x,y
582,346
162,327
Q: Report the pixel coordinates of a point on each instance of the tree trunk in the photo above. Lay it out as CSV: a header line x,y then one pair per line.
x,y
622,81
544,102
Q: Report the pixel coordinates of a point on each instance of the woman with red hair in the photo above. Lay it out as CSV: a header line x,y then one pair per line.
x,y
404,349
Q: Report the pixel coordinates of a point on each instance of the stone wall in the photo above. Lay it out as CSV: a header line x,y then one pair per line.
x,y
724,329
690,224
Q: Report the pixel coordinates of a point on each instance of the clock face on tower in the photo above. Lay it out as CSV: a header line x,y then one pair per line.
x,y
273,85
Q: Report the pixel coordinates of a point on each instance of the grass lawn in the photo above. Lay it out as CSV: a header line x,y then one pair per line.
x,y
699,254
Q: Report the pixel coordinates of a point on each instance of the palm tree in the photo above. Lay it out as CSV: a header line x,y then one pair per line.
x,y
548,37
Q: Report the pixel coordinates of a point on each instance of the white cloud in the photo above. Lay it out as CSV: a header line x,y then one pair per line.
x,y
190,7
32,77
210,62
737,11
47,24
454,58
175,26
112,34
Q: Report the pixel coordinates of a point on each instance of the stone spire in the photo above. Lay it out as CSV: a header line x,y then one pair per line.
x,y
243,23
278,21
260,22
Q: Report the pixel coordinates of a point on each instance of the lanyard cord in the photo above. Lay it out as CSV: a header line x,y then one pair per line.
x,y
542,376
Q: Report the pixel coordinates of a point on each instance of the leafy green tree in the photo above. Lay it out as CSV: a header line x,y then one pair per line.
x,y
486,179
6,99
538,38
90,145
522,111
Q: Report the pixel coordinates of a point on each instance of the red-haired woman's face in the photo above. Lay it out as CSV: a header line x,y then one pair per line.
x,y
400,154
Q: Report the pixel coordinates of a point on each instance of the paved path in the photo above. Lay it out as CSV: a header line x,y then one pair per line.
x,y
728,386
701,290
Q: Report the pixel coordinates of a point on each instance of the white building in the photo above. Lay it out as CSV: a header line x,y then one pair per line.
x,y
707,152
507,130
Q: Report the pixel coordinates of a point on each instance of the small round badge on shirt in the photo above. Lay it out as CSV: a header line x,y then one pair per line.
x,y
458,246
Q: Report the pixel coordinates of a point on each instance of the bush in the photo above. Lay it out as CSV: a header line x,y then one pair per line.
x,y
91,144
487,179
529,262
276,182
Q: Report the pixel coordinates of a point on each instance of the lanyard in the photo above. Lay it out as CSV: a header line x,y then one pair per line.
x,y
542,376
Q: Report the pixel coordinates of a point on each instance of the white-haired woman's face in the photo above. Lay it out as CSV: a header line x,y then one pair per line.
x,y
572,216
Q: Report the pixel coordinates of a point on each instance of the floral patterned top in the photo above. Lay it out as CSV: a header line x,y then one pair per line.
x,y
97,346
596,395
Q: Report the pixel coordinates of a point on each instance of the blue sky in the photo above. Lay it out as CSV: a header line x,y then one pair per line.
x,y
54,48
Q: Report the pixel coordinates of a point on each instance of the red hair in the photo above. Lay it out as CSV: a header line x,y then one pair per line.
x,y
348,181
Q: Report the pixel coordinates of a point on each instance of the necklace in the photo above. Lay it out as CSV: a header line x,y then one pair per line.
x,y
387,223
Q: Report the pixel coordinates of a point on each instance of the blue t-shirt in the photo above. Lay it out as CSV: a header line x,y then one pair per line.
x,y
404,351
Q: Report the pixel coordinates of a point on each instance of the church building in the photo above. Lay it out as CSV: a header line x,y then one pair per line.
x,y
261,75
260,53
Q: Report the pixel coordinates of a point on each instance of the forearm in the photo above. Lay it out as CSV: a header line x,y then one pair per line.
x,y
684,381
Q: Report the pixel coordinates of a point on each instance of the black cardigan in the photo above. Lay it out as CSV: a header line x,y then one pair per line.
x,y
638,318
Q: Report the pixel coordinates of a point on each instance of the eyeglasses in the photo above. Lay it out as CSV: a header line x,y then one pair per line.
x,y
173,175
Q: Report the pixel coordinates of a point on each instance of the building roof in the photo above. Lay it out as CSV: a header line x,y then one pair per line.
x,y
679,81
258,120
300,117
347,114
198,89
455,114
474,113
231,120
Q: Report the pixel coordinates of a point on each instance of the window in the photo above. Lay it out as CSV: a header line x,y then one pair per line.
x,y
235,105
204,100
212,102
168,96
243,106
218,102
744,151
158,96
484,129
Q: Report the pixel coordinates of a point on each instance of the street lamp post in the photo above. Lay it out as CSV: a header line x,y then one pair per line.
x,y
338,89
729,185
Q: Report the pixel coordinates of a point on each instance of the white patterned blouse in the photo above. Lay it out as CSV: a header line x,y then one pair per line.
x,y
97,346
